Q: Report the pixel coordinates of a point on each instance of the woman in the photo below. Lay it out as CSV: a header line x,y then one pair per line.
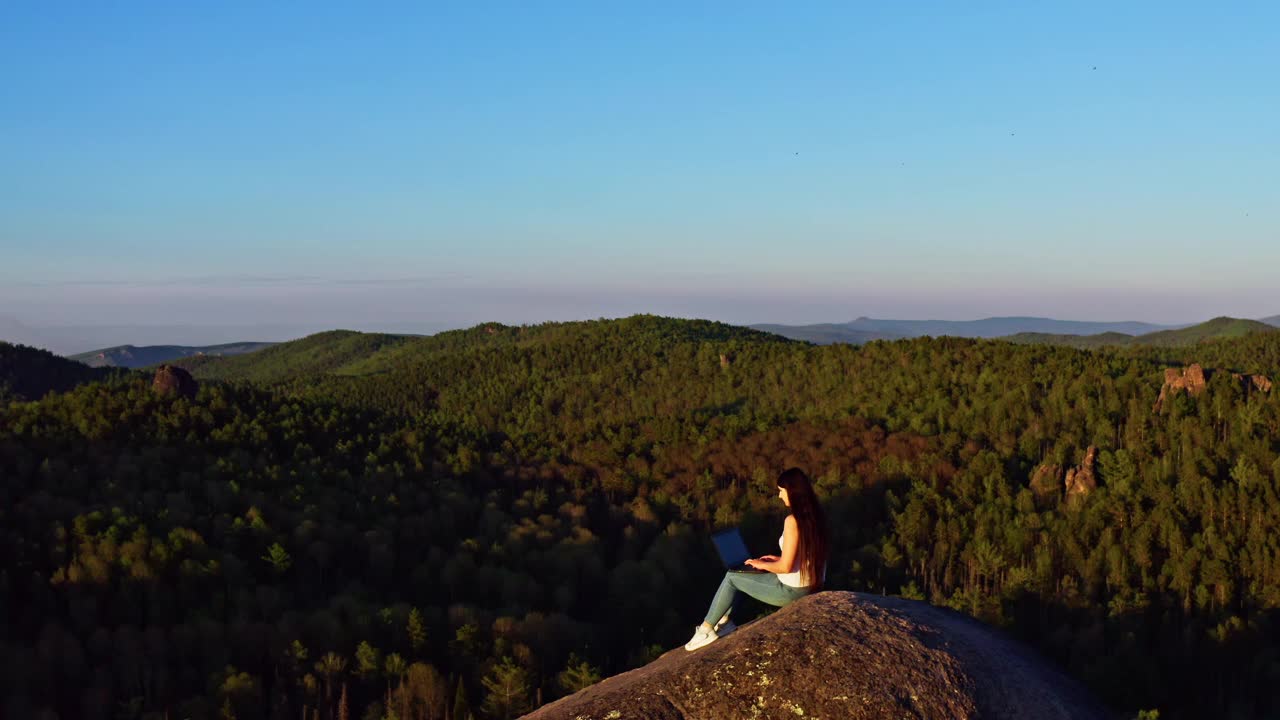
x,y
799,571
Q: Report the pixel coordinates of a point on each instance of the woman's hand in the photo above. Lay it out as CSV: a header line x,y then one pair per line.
x,y
754,563
768,558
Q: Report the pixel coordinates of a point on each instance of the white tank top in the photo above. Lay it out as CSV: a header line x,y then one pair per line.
x,y
793,578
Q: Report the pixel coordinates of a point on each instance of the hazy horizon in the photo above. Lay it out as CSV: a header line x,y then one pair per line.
x,y
74,339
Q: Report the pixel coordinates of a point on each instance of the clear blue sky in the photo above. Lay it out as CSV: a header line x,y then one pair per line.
x,y
421,166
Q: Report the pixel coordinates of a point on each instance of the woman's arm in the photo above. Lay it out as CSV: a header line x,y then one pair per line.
x,y
790,541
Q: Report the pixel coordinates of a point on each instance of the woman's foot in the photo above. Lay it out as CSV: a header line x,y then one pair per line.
x,y
724,627
703,635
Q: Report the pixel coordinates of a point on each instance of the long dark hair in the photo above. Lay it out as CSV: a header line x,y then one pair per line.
x,y
814,542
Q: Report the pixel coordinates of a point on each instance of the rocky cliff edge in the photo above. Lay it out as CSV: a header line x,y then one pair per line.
x,y
839,655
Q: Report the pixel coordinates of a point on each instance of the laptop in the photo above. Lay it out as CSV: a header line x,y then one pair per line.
x,y
733,551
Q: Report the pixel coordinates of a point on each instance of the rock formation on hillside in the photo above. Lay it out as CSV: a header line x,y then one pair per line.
x,y
171,379
1082,480
1047,480
1191,380
1261,383
842,655
1194,379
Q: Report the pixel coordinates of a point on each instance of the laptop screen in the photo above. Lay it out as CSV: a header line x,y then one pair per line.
x,y
733,551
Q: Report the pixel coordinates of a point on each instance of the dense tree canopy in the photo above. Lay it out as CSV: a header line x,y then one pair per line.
x,y
28,373
453,525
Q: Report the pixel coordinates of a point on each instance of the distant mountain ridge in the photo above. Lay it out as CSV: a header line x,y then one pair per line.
x,y
1080,342
826,333
134,356
856,332
1215,329
866,329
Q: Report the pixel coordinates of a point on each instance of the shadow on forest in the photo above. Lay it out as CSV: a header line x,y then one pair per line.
x,y
729,408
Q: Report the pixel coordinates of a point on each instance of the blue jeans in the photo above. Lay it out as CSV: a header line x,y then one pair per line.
x,y
765,587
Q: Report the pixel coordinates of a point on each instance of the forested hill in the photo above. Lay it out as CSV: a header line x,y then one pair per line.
x,y
350,353
1216,329
1082,342
320,353
28,373
463,526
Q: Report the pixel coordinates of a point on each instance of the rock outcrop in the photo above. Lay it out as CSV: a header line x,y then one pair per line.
x,y
1083,480
1194,379
1261,383
171,379
841,655
1190,380
1047,482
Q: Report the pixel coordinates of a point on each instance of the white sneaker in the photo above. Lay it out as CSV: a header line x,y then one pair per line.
x,y
701,636
724,627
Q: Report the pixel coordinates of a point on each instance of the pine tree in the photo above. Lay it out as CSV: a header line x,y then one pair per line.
x,y
368,660
417,630
578,674
508,690
278,557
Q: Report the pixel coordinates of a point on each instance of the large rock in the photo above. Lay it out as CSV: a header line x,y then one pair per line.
x,y
171,379
1191,380
1083,480
838,655
1260,383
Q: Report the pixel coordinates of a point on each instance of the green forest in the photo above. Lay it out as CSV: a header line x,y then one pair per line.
x,y
470,524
